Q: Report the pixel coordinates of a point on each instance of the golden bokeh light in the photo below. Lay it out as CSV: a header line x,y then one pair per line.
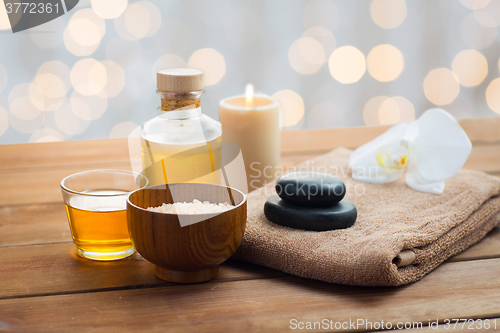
x,y
385,63
493,95
3,78
388,14
441,86
115,78
347,64
311,50
471,67
137,20
388,112
475,4
84,32
384,110
75,48
39,100
291,106
39,95
26,125
475,35
19,90
406,109
324,36
4,120
167,61
88,107
79,107
485,19
46,135
122,130
154,17
50,85
66,121
23,109
58,69
211,62
141,19
370,111
24,116
21,105
306,55
109,9
88,77
90,15
321,13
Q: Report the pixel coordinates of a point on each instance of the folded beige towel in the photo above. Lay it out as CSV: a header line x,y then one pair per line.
x,y
399,236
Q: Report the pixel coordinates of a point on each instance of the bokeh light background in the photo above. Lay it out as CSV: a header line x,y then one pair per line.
x,y
90,74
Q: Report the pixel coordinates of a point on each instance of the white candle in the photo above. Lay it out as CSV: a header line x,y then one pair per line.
x,y
253,123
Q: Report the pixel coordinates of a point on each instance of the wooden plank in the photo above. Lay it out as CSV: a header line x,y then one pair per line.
x,y
37,186
482,129
57,269
488,247
454,290
484,157
42,186
327,139
67,153
34,224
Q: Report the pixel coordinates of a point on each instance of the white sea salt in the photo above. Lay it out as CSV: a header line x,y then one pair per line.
x,y
195,207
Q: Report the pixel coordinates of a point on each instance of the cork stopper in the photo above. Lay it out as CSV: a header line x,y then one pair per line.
x,y
180,80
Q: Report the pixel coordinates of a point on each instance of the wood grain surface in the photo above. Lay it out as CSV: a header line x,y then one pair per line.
x,y
45,287
269,305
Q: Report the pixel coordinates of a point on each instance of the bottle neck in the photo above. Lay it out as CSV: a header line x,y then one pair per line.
x,y
177,106
174,101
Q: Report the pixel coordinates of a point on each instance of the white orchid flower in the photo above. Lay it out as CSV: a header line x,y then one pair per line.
x,y
434,147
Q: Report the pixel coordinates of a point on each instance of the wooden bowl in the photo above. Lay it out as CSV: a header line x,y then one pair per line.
x,y
190,253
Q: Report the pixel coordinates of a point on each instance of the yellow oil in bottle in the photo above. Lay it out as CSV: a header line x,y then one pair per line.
x,y
191,163
181,144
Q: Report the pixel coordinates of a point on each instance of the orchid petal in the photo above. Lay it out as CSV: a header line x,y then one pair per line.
x,y
441,148
374,163
417,183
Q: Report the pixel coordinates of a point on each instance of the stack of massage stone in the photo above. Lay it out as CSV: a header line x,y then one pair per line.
x,y
310,201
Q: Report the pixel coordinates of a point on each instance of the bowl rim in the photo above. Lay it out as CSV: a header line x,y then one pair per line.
x,y
216,213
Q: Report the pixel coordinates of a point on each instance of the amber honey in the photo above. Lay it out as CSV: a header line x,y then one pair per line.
x,y
100,231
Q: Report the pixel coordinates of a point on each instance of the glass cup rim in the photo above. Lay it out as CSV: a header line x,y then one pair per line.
x,y
114,171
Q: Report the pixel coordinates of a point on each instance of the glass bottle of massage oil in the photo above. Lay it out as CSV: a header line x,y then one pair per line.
x,y
181,144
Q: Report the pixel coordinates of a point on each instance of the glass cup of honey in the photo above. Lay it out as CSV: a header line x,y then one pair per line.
x,y
96,203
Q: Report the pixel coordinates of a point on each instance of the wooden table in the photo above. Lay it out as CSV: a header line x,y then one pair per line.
x,y
45,287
